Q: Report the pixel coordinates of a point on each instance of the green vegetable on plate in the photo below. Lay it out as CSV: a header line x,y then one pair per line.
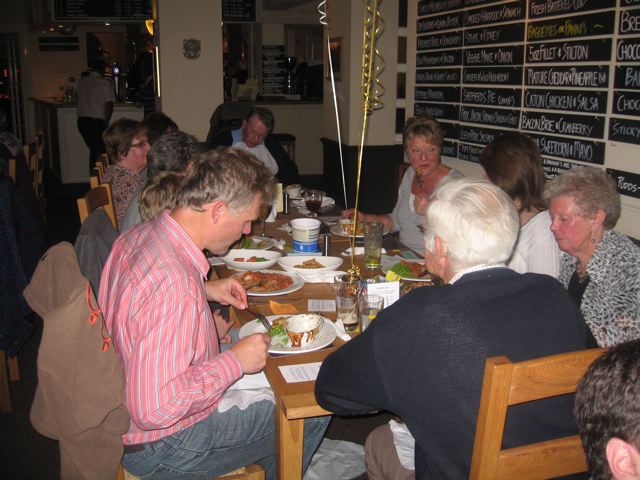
x,y
402,270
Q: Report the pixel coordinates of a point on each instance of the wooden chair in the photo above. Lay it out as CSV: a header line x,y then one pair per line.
x,y
102,163
250,472
288,143
31,157
9,370
12,165
99,196
9,367
38,168
506,383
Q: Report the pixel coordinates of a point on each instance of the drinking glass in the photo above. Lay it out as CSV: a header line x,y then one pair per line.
x,y
313,201
370,306
265,210
347,300
372,244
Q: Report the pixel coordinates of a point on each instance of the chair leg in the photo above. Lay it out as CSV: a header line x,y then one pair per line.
x,y
14,369
5,396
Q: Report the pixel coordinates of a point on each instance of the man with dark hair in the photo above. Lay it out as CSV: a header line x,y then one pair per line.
x,y
158,124
172,152
607,409
153,296
96,97
254,136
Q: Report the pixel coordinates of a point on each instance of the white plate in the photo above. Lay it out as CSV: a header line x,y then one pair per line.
x,y
236,253
337,230
425,278
297,284
259,243
289,264
326,335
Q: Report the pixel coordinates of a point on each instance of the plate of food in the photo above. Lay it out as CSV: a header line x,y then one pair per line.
x,y
345,228
255,242
411,270
294,191
309,331
247,259
309,264
265,283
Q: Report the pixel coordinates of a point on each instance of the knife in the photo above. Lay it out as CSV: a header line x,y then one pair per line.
x,y
263,320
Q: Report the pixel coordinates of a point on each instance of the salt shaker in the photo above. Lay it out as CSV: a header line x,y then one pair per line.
x,y
326,244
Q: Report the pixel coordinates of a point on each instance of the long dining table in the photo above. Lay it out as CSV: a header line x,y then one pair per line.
x,y
294,401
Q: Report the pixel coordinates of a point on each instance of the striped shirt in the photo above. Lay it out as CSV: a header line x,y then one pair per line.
x,y
153,300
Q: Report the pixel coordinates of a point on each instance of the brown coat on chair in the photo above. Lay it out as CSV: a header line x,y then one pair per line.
x,y
79,400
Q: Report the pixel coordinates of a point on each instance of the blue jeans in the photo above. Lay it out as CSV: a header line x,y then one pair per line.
x,y
221,443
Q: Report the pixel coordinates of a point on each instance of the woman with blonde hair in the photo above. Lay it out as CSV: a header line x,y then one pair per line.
x,y
422,139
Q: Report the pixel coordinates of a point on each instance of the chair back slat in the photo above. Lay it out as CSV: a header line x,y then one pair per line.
x,y
506,383
97,197
12,165
550,459
100,167
38,183
549,376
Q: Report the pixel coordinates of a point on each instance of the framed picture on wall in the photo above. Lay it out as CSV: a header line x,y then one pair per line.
x,y
335,50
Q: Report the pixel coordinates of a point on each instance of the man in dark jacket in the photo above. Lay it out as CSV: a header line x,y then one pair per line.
x,y
254,136
423,357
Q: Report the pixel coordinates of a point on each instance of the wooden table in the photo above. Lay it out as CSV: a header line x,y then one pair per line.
x,y
294,401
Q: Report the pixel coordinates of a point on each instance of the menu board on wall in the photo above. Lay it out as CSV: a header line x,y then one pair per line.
x,y
274,70
238,10
114,10
538,66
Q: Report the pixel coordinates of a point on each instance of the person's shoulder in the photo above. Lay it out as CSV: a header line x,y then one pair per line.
x,y
617,249
407,178
454,174
223,139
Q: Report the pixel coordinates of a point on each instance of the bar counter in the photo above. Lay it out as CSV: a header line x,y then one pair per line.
x,y
66,153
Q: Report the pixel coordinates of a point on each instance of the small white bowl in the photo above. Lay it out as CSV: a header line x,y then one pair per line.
x,y
302,329
237,259
288,264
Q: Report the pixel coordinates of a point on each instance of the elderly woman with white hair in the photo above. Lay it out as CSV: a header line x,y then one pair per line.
x,y
599,267
423,357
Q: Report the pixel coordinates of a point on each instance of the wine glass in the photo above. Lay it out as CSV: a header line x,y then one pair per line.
x,y
265,210
313,201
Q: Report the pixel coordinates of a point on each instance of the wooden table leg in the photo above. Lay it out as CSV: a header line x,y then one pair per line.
x,y
289,438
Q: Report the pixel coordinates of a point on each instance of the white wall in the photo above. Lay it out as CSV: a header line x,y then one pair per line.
x,y
347,22
190,89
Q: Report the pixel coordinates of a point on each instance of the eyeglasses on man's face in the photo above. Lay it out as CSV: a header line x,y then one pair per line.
x,y
142,144
256,133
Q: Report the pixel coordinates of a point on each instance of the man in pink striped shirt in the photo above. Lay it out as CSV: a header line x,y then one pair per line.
x,y
154,297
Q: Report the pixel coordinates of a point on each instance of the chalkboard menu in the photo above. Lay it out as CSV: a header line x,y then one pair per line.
x,y
544,67
238,10
274,70
115,10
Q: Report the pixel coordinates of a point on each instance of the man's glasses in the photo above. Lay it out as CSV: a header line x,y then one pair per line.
x,y
257,134
140,144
